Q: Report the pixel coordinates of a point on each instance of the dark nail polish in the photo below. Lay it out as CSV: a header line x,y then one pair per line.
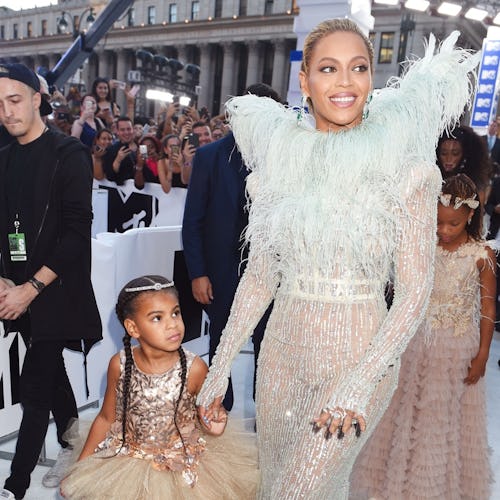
x,y
340,433
357,428
328,434
316,427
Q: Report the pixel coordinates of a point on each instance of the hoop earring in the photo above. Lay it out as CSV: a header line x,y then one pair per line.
x,y
366,108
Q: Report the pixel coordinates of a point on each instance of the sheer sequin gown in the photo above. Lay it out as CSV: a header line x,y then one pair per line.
x,y
154,465
332,215
432,442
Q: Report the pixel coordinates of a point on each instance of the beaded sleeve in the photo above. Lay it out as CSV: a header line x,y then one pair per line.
x,y
413,278
254,294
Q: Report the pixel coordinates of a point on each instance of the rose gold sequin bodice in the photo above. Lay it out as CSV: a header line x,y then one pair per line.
x,y
150,429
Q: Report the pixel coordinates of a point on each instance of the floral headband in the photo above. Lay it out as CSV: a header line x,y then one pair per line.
x,y
445,200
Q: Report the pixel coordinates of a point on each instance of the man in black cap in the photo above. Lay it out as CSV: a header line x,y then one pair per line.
x,y
45,291
5,137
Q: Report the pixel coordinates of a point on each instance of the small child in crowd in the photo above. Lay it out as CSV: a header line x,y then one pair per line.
x,y
147,441
432,441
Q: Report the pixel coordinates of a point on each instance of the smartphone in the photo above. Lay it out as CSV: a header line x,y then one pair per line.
x,y
89,106
133,91
120,85
143,150
194,140
175,149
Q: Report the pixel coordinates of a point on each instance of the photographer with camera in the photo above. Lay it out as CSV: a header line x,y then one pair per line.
x,y
87,126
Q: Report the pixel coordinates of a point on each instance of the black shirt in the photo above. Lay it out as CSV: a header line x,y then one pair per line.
x,y
127,165
20,190
5,137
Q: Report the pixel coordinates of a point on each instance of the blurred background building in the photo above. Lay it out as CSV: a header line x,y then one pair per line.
x,y
223,45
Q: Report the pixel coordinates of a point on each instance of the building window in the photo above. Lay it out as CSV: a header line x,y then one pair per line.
x,y
15,31
195,10
268,7
152,14
131,17
172,13
243,8
218,8
2,32
29,29
44,27
386,48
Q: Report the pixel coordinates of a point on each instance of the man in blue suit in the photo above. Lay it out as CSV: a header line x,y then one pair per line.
x,y
214,218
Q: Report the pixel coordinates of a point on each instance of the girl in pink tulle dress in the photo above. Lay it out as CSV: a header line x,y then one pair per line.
x,y
432,441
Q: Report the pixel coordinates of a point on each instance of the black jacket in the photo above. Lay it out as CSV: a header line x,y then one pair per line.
x,y
66,309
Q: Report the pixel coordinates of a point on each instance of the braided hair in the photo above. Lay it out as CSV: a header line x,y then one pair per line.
x,y
461,186
125,308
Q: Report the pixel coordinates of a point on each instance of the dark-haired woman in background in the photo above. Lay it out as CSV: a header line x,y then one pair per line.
x,y
462,151
107,109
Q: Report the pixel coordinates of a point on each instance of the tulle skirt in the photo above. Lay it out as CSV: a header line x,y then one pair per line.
x,y
431,444
227,471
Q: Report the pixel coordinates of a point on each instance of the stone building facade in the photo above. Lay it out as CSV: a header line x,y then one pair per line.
x,y
234,42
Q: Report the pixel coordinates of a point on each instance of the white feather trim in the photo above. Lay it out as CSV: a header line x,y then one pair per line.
x,y
308,185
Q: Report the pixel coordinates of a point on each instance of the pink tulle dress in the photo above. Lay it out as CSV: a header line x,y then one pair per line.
x,y
431,444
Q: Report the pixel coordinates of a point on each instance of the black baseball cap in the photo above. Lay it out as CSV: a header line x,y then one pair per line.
x,y
21,73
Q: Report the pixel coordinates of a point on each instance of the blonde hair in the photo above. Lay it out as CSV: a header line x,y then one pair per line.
x,y
327,28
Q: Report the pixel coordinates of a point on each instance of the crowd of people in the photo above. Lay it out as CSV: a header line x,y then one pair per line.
x,y
114,136
356,396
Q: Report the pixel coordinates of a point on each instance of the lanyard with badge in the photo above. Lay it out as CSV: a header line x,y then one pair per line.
x,y
17,240
17,243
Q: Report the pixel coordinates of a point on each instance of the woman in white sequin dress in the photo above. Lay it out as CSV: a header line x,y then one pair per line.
x,y
335,207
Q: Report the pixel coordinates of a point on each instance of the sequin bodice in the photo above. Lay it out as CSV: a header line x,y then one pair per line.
x,y
150,429
456,304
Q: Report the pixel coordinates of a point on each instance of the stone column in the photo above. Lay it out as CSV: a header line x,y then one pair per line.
x,y
182,53
182,57
53,60
227,87
254,74
86,76
279,67
206,77
122,67
104,66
